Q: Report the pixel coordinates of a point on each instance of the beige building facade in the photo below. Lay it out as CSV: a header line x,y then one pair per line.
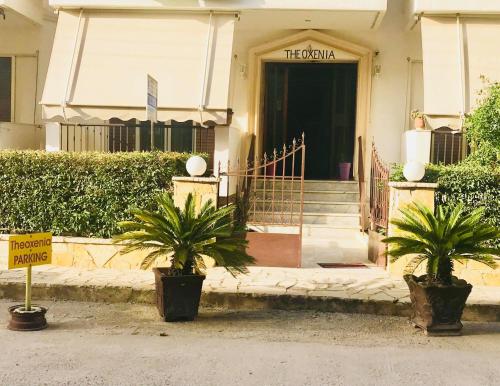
x,y
336,70
26,35
244,77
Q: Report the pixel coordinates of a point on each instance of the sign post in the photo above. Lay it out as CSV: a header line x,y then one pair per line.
x,y
152,106
27,296
26,251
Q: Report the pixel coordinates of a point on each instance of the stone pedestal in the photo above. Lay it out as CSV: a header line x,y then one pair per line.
x,y
402,194
202,188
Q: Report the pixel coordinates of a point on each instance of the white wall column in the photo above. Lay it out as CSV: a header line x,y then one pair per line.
x,y
227,151
221,155
416,146
53,136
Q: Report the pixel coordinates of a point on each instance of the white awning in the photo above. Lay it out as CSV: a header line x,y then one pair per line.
x,y
457,54
441,56
100,61
227,5
453,7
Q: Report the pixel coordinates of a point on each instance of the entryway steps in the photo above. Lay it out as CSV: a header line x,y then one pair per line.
x,y
313,195
309,185
336,220
309,206
329,204
326,231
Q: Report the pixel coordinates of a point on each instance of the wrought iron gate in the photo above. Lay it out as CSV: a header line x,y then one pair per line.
x,y
269,191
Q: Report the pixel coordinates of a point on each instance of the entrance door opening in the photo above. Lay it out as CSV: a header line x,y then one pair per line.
x,y
318,99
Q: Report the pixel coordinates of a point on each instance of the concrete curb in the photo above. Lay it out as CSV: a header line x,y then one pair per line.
x,y
472,312
80,293
240,301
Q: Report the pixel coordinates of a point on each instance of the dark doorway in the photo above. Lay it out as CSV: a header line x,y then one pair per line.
x,y
318,99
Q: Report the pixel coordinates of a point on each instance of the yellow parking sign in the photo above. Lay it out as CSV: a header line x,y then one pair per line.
x,y
29,250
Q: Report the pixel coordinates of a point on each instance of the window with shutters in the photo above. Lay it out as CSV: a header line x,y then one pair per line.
x,y
134,135
5,89
448,146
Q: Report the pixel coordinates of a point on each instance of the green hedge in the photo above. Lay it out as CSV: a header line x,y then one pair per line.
x,y
470,183
80,194
431,173
473,185
483,124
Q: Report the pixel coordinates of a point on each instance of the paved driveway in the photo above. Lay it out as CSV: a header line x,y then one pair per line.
x,y
125,344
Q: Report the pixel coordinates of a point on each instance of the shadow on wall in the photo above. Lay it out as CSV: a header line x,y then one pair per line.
x,y
18,136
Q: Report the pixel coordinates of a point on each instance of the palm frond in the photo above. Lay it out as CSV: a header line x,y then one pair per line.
x,y
150,258
487,260
184,236
442,238
414,263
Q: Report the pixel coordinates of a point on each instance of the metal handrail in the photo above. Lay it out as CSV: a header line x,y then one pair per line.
x,y
379,192
361,184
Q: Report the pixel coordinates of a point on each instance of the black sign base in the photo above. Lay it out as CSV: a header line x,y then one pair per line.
x,y
22,320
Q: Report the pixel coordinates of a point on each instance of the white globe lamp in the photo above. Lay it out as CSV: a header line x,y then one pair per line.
x,y
196,166
414,171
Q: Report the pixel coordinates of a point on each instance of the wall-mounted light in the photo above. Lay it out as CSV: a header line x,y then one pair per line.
x,y
2,13
242,69
377,68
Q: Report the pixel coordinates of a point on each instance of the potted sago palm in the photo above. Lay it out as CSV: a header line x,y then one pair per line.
x,y
441,240
182,239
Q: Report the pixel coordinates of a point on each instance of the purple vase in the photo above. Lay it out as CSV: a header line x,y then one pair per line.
x,y
344,170
271,170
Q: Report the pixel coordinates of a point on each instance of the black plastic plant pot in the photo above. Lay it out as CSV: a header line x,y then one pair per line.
x,y
437,309
177,297
23,320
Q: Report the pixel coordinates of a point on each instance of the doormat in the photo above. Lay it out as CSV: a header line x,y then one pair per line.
x,y
342,265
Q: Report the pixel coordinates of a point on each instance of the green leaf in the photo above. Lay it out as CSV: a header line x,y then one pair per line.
x,y
185,237
441,238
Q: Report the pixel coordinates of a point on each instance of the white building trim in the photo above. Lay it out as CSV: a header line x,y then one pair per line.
x,y
452,7
340,5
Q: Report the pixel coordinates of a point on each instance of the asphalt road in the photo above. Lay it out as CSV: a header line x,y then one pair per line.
x,y
123,344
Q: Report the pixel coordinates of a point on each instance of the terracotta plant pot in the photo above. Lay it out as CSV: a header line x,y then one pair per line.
x,y
344,171
419,123
437,309
177,297
22,320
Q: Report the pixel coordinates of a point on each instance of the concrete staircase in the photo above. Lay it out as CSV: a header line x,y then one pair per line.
x,y
328,205
331,223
